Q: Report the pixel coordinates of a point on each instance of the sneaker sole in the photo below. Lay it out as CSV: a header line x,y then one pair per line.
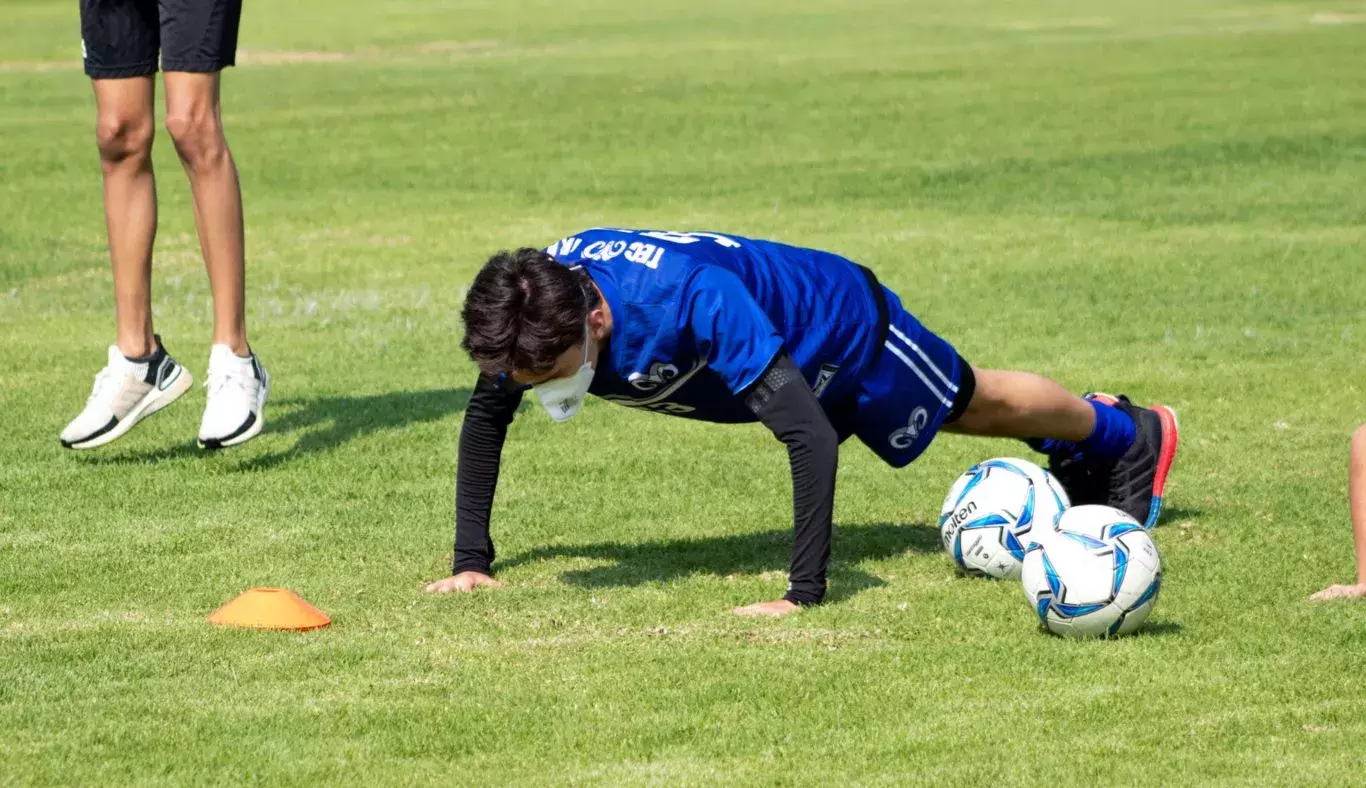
x,y
155,400
1171,439
253,430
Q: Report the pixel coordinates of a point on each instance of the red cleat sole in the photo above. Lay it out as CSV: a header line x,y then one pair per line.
x,y
1171,438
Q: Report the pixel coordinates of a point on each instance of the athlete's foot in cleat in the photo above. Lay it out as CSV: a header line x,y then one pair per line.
x,y
1079,478
125,393
1085,478
1138,480
235,410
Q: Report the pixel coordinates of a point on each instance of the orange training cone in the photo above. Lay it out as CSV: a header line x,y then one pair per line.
x,y
269,608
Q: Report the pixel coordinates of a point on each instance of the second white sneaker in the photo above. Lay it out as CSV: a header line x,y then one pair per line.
x,y
235,411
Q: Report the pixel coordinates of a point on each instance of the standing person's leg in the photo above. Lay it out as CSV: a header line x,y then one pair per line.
x,y
124,130
120,40
194,122
199,40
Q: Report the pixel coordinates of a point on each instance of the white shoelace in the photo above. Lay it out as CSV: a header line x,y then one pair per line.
x,y
218,381
105,380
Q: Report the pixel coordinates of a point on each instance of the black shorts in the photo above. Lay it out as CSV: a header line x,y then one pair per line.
x,y
122,38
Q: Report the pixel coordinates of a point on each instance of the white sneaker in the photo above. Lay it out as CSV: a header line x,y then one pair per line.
x,y
235,412
125,393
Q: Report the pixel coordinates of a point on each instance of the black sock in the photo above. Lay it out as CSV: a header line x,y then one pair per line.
x,y
157,353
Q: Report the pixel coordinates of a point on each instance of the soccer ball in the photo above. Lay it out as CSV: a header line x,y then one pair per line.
x,y
1096,575
993,512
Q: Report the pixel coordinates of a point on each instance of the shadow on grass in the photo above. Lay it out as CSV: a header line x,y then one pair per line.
x,y
1159,629
325,423
753,553
328,422
1172,514
115,457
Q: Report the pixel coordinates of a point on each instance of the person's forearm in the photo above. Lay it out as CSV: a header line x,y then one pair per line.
x,y
786,406
487,416
814,455
1357,495
476,481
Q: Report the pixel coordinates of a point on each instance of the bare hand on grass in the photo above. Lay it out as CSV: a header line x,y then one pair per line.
x,y
775,609
464,582
1357,591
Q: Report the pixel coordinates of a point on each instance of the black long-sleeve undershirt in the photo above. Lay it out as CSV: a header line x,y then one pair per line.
x,y
490,411
780,399
784,404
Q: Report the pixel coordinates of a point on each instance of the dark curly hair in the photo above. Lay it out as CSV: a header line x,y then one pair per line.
x,y
524,310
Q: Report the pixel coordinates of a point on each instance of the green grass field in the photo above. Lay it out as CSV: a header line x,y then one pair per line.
x,y
1163,198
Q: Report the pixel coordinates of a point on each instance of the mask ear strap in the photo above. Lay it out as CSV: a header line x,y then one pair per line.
x,y
586,285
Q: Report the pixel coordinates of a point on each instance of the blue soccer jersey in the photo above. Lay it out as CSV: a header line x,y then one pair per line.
x,y
698,317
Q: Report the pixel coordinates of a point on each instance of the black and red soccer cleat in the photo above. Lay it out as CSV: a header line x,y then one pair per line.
x,y
1136,482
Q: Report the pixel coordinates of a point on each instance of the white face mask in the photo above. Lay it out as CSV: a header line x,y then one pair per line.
x,y
563,397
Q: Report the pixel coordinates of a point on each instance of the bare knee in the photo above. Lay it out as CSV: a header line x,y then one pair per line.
x,y
198,137
122,138
1359,447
